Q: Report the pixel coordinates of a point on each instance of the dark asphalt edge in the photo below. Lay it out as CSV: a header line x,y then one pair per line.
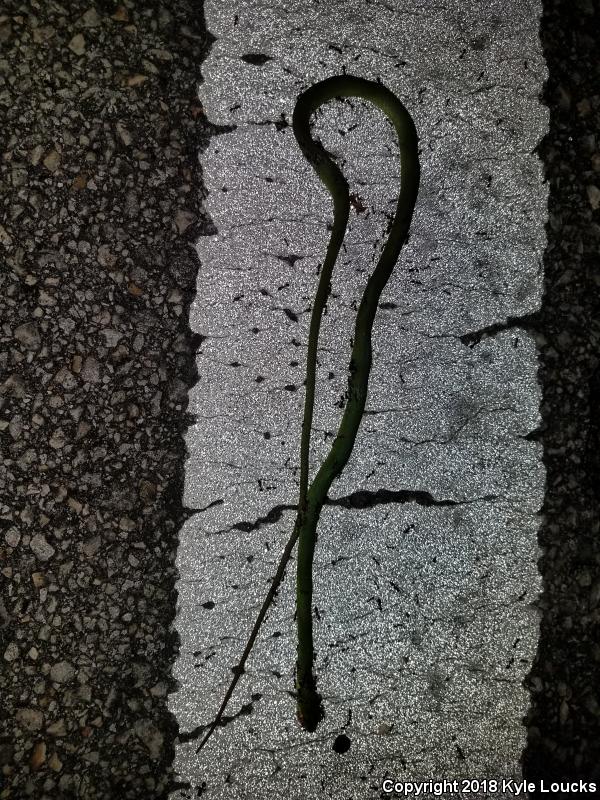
x,y
563,719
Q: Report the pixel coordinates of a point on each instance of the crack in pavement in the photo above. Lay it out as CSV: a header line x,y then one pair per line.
x,y
245,710
362,498
525,321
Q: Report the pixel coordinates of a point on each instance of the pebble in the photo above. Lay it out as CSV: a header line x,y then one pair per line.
x,y
90,371
77,44
52,161
150,736
91,546
12,652
66,378
112,337
41,548
31,719
91,18
58,439
15,426
5,237
12,537
57,728
28,334
183,220
62,672
38,756
55,763
38,579
593,193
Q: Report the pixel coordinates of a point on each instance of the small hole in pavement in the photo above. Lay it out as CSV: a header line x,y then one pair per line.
x,y
341,744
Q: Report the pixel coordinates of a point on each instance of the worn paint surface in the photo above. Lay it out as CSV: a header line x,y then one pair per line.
x,y
425,596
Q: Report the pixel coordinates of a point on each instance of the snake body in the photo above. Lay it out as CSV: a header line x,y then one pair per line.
x,y
312,499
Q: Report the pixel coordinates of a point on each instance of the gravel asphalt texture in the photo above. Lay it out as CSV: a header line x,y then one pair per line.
x,y
101,200
101,203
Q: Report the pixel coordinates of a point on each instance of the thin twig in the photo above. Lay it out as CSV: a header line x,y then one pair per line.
x,y
239,669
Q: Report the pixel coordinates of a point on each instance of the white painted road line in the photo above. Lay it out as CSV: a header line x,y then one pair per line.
x,y
426,619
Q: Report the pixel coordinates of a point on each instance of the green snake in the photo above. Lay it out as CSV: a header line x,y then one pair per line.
x,y
312,499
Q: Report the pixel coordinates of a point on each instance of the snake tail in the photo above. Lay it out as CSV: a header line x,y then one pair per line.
x,y
309,708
